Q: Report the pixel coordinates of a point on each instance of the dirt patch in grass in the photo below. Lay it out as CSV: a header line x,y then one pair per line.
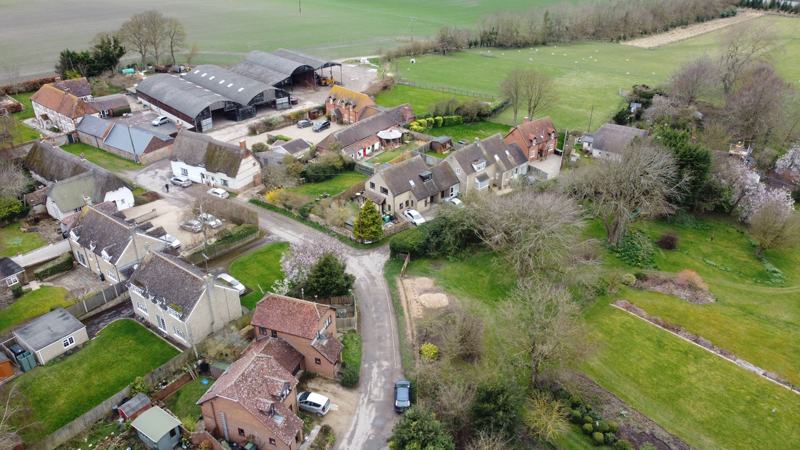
x,y
634,426
423,295
680,34
677,287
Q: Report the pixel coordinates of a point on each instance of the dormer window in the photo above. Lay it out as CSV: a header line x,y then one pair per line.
x,y
105,255
479,164
426,176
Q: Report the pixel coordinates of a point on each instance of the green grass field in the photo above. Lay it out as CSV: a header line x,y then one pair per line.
x,y
102,158
421,100
470,131
335,185
258,270
23,133
14,241
588,76
32,304
68,387
183,402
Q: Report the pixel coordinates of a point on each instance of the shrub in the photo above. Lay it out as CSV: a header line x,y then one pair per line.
x,y
628,279
429,352
412,241
438,121
598,438
637,250
668,241
613,426
349,377
575,416
587,428
691,278
10,208
588,419
622,444
609,438
602,426
61,264
259,147
17,291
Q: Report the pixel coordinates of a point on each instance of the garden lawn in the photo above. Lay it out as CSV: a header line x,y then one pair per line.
x,y
707,401
469,131
588,76
23,133
387,156
258,270
68,387
336,185
102,158
14,241
421,100
32,304
183,402
27,107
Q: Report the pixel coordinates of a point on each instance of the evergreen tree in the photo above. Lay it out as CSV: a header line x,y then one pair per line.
x,y
327,278
419,430
368,225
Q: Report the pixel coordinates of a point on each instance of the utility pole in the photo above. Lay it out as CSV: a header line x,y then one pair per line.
x,y
591,113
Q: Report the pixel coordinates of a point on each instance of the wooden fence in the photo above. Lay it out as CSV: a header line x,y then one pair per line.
x,y
110,296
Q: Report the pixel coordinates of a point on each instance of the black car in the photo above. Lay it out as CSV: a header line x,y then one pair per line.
x,y
322,125
402,396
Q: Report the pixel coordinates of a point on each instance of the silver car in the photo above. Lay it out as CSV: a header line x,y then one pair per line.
x,y
210,220
314,403
192,225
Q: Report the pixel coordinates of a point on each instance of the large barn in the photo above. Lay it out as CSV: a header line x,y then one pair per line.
x,y
261,79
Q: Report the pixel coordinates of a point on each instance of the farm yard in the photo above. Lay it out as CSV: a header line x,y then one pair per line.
x,y
588,76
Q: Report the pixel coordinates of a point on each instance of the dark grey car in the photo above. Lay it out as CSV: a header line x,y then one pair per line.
x,y
402,396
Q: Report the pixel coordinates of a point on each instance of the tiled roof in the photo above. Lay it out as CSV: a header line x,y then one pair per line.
x,y
295,146
78,87
283,352
615,138
368,127
179,284
64,103
342,95
407,176
493,150
102,232
257,382
8,267
197,149
329,347
289,315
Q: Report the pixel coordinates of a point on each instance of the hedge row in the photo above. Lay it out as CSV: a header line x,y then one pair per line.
x,y
422,124
61,264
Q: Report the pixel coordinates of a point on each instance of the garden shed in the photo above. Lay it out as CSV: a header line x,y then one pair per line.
x,y
158,429
135,406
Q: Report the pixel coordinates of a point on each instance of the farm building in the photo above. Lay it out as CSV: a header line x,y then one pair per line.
x,y
123,139
285,68
52,334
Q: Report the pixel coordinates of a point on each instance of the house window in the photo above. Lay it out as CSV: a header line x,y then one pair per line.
x,y
262,331
141,307
241,432
81,259
317,361
12,280
178,333
68,341
161,323
172,432
225,182
372,185
327,322
184,172
384,190
111,277
272,441
274,333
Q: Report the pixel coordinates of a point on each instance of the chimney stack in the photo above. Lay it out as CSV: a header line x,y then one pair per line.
x,y
243,144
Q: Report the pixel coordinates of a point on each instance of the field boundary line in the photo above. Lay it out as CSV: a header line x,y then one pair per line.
x,y
697,29
732,361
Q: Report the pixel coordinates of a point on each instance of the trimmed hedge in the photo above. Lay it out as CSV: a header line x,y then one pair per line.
x,y
61,264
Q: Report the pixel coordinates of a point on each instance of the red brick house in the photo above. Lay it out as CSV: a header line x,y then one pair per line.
x,y
537,138
346,106
255,400
310,328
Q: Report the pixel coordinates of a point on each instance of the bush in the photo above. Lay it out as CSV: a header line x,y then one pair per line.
x,y
598,438
602,426
575,416
622,444
637,250
628,279
259,147
691,278
349,377
412,241
588,419
587,428
668,241
613,426
10,208
17,291
438,121
429,352
61,264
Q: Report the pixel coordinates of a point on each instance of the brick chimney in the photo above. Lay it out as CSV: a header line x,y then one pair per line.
x,y
243,144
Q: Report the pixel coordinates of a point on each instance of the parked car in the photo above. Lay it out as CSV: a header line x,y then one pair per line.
x,y
192,225
210,220
462,141
304,123
160,120
402,395
314,403
321,125
233,282
218,192
414,216
455,202
171,240
181,181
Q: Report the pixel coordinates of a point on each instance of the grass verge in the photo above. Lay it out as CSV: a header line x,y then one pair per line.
x,y
391,270
183,402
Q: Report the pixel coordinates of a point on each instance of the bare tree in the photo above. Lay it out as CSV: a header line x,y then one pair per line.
x,y
11,408
14,180
176,36
192,54
538,92
511,89
155,29
545,417
741,47
485,441
753,110
637,183
542,330
692,80
134,33
534,231
774,226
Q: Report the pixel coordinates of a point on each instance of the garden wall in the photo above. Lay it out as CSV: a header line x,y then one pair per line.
x,y
108,297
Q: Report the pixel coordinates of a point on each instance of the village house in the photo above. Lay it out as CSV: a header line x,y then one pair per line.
x,y
346,106
488,164
255,399
74,182
54,108
180,300
108,245
411,184
611,140
124,140
536,138
370,135
51,335
208,161
79,87
310,328
11,274
113,105
298,148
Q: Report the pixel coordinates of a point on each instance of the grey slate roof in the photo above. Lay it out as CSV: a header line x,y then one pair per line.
x,y
367,127
109,232
48,328
8,267
303,58
197,149
113,102
95,126
184,96
232,85
615,138
492,150
406,176
169,278
79,87
134,140
295,146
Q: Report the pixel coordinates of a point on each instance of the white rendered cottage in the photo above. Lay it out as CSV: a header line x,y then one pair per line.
x,y
208,161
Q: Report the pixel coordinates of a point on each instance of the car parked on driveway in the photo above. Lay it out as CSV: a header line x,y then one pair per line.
x,y
414,216
210,220
181,181
321,125
233,282
160,120
314,403
171,240
402,395
455,202
192,225
304,123
218,192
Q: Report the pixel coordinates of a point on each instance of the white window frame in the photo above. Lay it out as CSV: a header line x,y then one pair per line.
x,y
68,341
11,280
161,323
184,172
141,307
178,333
